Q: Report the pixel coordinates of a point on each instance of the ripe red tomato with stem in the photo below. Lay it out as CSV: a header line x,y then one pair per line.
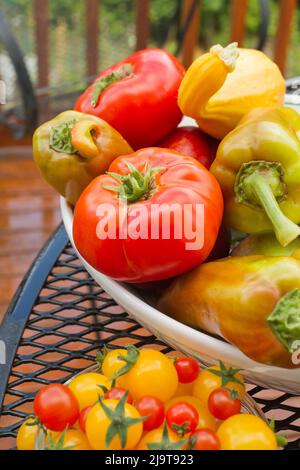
x,y
187,369
182,418
56,407
224,403
154,409
160,232
116,393
204,439
137,96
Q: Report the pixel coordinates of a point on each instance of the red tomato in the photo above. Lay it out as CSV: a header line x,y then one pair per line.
x,y
187,369
204,439
83,416
56,407
182,418
222,245
116,393
160,234
222,405
137,96
193,142
152,407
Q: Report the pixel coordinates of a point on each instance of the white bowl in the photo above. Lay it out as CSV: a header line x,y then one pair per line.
x,y
181,337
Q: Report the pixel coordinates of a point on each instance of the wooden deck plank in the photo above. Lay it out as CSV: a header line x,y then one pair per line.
x,y
15,204
24,242
29,213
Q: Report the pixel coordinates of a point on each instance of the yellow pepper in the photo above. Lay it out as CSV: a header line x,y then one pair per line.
x,y
221,86
73,148
258,168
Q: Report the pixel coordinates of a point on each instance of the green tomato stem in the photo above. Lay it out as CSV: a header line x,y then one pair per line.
x,y
135,186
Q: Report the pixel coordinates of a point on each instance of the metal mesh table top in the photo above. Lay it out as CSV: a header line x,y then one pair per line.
x,y
58,321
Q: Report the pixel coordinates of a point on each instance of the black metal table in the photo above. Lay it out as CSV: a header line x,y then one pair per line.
x,y
58,320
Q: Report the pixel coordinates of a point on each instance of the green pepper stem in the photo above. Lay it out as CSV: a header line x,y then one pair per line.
x,y
285,230
102,83
285,320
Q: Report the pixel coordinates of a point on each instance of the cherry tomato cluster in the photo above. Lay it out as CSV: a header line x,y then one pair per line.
x,y
142,399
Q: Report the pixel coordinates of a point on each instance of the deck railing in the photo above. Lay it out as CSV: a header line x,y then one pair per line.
x,y
190,41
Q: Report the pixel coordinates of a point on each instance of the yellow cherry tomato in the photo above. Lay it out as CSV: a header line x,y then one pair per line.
x,y
246,432
206,420
112,364
86,388
184,389
26,435
156,436
207,382
74,439
98,423
153,374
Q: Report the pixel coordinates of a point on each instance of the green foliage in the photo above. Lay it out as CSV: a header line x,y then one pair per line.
x,y
117,28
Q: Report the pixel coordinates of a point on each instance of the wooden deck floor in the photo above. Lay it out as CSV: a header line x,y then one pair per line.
x,y
29,212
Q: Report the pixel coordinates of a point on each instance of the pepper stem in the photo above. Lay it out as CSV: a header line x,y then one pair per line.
x,y
229,54
259,184
103,82
285,320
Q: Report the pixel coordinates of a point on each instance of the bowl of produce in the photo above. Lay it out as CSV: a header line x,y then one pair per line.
x,y
143,399
204,347
151,205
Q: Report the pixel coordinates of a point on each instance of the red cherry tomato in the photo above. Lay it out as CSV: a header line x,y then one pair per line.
x,y
56,407
187,369
154,409
83,416
182,418
222,245
191,141
116,393
204,439
222,405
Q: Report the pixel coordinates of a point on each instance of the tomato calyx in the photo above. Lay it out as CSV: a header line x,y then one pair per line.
x,y
102,83
58,445
233,394
227,374
36,422
192,442
61,137
181,429
280,438
103,388
130,359
119,422
41,434
101,355
165,443
135,186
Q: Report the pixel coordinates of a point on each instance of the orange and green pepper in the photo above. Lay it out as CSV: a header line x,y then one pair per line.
x,y
258,168
73,148
251,301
